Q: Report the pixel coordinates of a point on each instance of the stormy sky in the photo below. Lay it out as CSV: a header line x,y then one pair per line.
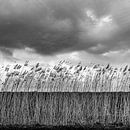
x,y
76,30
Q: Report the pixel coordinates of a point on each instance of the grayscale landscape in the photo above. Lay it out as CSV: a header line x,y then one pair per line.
x,y
64,64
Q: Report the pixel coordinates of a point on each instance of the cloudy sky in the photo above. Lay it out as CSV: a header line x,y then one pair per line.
x,y
76,30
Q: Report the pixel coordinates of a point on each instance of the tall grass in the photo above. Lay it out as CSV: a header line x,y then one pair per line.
x,y
83,109
64,94
65,78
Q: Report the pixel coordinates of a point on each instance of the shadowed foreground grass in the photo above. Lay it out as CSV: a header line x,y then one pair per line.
x,y
64,109
64,128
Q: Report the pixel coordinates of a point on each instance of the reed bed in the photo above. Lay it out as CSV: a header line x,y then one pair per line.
x,y
64,77
64,95
64,109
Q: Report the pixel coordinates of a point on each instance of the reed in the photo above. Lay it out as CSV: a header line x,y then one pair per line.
x,y
64,109
65,78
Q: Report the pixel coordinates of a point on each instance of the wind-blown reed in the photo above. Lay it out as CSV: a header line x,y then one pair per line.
x,y
64,95
56,109
65,78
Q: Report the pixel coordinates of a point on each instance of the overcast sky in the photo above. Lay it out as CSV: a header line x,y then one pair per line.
x,y
77,30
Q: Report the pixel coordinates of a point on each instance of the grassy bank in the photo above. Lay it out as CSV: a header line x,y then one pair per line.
x,y
64,109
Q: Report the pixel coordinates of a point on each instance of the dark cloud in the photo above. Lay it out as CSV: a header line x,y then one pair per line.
x,y
33,27
19,35
55,26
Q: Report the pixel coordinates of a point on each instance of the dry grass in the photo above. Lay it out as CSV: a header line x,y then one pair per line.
x,y
65,95
55,109
64,78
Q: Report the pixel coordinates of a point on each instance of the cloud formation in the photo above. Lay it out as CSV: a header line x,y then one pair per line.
x,y
54,26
